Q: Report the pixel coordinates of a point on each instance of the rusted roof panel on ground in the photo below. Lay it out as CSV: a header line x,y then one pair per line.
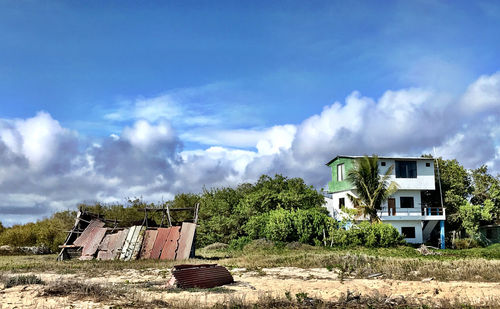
x,y
93,242
170,248
201,276
185,241
88,233
137,242
148,243
161,238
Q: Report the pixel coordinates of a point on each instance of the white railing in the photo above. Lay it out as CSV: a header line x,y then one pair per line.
x,y
427,212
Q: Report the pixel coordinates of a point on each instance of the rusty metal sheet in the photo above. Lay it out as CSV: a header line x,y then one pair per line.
x,y
200,276
117,242
104,253
93,242
148,243
185,241
161,238
88,233
137,242
170,248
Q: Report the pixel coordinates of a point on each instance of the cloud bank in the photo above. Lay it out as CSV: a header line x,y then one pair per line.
x,y
45,167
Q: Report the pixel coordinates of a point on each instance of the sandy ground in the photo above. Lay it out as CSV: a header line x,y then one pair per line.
x,y
249,286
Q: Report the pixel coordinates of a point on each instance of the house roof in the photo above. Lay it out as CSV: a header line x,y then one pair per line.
x,y
380,157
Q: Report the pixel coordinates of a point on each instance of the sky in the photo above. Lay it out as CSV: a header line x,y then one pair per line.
x,y
106,100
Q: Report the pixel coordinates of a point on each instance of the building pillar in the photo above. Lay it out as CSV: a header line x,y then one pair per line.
x,y
442,235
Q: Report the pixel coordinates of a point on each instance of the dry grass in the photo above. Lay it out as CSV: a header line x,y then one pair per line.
x,y
10,281
349,300
395,263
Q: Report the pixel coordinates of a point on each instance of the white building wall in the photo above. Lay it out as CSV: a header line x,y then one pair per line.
x,y
416,224
417,201
425,175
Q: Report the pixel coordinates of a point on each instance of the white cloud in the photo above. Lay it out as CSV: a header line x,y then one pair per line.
x,y
483,95
46,167
144,135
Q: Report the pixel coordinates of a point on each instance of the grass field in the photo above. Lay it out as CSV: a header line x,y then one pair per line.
x,y
479,264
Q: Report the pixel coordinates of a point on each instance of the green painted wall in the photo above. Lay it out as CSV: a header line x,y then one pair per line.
x,y
334,185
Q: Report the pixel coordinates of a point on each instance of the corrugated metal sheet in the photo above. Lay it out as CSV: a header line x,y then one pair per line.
x,y
88,233
201,276
94,239
117,242
137,242
161,238
148,243
185,241
128,240
170,248
104,250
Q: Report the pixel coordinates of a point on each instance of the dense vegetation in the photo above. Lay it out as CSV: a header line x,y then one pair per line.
x,y
284,210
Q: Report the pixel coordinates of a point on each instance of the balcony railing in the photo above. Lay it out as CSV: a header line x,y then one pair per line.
x,y
432,211
426,212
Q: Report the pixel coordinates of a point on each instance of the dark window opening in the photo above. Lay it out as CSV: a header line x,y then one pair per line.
x,y
382,163
406,202
489,233
408,232
406,169
341,202
428,164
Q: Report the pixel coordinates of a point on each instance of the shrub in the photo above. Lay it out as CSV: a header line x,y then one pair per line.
x,y
280,225
370,235
465,243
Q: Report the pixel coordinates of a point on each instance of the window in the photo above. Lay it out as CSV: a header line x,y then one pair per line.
x,y
428,164
382,163
406,169
341,202
340,172
406,202
408,232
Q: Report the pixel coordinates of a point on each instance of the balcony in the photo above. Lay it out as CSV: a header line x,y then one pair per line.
x,y
426,213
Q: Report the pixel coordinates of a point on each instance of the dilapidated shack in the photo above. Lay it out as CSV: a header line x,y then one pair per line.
x,y
94,237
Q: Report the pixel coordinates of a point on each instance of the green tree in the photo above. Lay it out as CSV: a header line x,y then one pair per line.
x,y
2,228
471,216
371,188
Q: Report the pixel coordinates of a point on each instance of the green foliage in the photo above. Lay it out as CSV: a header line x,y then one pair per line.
x,y
227,214
367,234
2,228
239,243
466,193
465,243
371,188
49,233
471,215
303,225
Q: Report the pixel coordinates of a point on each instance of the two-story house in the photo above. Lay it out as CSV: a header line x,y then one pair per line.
x,y
404,209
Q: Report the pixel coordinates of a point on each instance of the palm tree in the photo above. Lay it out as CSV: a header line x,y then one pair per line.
x,y
371,188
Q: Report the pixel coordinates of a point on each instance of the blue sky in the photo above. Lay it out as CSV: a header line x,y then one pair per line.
x,y
231,90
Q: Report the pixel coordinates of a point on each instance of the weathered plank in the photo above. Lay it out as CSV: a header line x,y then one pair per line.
x,y
125,249
170,248
185,241
137,243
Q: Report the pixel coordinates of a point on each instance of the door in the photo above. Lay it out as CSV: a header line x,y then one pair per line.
x,y
391,203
